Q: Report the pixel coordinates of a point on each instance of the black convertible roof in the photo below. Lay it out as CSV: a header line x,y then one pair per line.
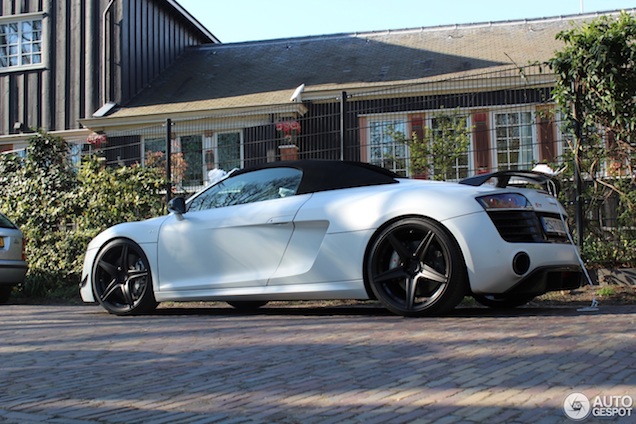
x,y
322,175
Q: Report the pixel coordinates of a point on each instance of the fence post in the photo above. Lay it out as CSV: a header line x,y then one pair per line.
x,y
343,123
168,159
580,226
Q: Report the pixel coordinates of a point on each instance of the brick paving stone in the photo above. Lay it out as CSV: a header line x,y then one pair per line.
x,y
79,365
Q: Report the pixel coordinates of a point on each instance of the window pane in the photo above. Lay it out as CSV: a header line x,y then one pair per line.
x,y
515,140
383,149
155,145
229,150
257,186
450,146
18,43
192,148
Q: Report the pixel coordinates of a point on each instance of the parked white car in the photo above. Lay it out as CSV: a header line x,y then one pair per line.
x,y
312,229
13,266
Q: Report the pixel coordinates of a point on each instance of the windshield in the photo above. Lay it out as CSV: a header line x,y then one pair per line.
x,y
250,187
5,223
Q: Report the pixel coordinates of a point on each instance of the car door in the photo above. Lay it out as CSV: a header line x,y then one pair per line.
x,y
233,234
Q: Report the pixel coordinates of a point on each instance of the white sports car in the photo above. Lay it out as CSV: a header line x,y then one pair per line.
x,y
311,229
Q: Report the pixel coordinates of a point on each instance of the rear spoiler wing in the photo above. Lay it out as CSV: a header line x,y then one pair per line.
x,y
503,179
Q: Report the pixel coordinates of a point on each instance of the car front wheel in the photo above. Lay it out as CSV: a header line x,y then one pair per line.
x,y
415,268
121,280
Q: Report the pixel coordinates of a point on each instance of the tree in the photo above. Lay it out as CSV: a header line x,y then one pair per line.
x,y
596,88
597,71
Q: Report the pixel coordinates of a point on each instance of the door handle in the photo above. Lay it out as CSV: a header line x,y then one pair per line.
x,y
279,220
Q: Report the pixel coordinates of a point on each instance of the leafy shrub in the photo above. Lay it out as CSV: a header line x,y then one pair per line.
x,y
60,208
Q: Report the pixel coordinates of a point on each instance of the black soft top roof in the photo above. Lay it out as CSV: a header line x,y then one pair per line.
x,y
322,175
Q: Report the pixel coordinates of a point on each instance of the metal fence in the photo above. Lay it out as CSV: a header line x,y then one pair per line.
x,y
510,120
498,120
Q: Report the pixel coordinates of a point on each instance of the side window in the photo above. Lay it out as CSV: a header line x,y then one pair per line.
x,y
251,187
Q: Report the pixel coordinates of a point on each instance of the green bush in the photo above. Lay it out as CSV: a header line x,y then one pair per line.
x,y
595,73
60,208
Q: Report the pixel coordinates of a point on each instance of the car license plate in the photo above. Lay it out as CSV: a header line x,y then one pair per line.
x,y
553,226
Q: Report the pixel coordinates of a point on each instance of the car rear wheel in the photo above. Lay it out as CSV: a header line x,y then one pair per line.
x,y
503,302
415,268
122,281
247,305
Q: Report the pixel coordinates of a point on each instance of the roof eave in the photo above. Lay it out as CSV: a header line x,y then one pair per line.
x,y
136,121
198,25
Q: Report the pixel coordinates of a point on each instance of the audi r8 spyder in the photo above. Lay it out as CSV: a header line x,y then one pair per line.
x,y
318,230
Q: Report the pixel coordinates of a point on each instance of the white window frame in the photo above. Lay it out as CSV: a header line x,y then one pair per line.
x,y
41,42
430,116
534,140
389,161
211,143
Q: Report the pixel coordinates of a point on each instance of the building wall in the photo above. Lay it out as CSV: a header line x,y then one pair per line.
x,y
143,37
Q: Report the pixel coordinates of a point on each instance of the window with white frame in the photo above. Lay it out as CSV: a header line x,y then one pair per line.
x,y
196,157
455,132
192,150
224,151
514,132
20,43
383,148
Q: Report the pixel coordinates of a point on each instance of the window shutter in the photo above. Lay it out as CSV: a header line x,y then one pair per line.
x,y
481,141
546,134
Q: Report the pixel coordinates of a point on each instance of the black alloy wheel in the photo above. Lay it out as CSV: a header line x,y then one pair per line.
x,y
415,268
121,279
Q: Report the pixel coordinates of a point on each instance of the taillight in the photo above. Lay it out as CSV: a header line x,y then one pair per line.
x,y
504,201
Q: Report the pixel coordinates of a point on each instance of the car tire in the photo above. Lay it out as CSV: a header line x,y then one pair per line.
x,y
121,279
415,268
247,305
502,302
5,293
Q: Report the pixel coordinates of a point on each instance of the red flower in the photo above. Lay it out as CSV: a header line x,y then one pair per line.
x,y
97,140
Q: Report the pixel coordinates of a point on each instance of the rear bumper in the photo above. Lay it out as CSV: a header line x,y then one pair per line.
x,y
12,272
496,266
547,279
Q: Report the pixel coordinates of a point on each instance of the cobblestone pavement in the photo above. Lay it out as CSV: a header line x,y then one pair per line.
x,y
304,364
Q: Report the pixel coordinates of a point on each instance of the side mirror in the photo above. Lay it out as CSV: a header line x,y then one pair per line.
x,y
177,206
